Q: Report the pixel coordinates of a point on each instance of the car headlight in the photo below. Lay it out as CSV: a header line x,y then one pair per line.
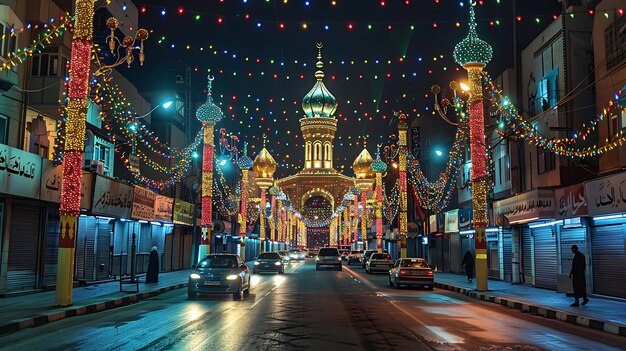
x,y
256,263
339,258
317,258
232,277
195,276
277,263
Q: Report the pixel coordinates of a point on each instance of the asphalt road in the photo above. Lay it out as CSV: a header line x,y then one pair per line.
x,y
314,310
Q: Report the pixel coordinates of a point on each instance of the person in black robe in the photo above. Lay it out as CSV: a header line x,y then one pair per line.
x,y
577,275
468,262
152,276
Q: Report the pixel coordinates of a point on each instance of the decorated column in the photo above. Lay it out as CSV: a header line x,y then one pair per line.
x,y
362,167
244,163
76,112
355,218
264,167
274,191
473,54
379,167
208,114
402,156
346,223
364,219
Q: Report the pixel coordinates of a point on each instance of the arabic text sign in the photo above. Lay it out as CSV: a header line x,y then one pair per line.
x,y
183,212
143,203
51,178
452,221
570,202
20,172
606,195
163,207
534,204
111,198
465,218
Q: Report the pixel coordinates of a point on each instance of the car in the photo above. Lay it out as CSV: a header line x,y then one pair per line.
x,y
219,274
380,262
344,253
366,256
355,256
297,254
285,256
269,262
328,257
411,271
313,252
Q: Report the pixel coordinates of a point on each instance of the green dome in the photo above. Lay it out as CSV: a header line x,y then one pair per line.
x,y
245,162
472,49
209,112
379,166
319,102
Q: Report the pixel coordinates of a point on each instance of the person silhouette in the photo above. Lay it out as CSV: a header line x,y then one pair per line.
x,y
577,275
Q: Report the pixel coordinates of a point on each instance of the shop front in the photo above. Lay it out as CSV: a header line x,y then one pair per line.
x,y
179,241
452,233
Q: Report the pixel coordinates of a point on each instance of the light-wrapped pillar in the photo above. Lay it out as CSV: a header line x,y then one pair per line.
x,y
244,163
364,219
262,232
355,220
76,112
379,167
473,54
402,160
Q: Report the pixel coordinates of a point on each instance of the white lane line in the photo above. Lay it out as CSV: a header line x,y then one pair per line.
x,y
298,266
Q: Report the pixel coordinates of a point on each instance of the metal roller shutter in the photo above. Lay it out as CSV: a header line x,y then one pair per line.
x,y
52,248
507,254
103,242
85,243
569,237
187,251
445,253
527,255
608,260
455,253
545,257
23,243
178,248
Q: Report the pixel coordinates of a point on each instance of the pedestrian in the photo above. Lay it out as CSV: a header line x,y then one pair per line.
x,y
152,276
468,262
577,275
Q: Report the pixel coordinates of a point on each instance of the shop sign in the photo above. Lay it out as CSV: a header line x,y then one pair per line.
x,y
20,172
432,221
111,198
465,218
570,202
163,207
452,221
606,195
51,177
183,212
143,204
535,204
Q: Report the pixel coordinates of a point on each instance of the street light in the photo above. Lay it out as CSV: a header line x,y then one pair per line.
x,y
133,159
438,152
465,87
165,105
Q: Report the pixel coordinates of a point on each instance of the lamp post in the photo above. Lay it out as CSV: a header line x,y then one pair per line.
x,y
402,160
244,163
379,167
264,167
208,114
134,127
473,54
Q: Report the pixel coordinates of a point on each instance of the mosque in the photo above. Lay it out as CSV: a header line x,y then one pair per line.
x,y
318,188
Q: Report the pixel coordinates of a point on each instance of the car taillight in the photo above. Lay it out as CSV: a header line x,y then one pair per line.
x,y
339,258
430,273
402,271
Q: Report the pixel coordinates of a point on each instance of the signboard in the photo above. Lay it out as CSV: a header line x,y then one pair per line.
x,y
183,212
465,218
451,221
133,163
20,172
163,208
606,195
51,178
432,222
143,204
529,206
570,202
111,198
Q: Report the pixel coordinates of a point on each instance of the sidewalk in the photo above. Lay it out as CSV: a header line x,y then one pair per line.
x,y
26,311
602,314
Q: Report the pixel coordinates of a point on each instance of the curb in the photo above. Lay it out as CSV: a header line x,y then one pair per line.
x,y
608,327
35,321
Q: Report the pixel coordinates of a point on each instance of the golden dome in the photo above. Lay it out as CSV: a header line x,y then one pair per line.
x,y
264,165
361,165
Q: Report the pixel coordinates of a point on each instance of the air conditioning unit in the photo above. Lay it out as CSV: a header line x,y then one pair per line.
x,y
94,166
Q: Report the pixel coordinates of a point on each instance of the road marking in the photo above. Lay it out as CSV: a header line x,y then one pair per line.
x,y
275,286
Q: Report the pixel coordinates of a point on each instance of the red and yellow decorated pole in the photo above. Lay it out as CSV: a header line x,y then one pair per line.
x,y
473,54
245,163
76,112
274,191
364,218
355,219
264,167
208,114
262,232
402,158
379,167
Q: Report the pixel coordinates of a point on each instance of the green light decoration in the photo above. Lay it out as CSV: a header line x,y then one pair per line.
x,y
274,190
319,102
245,162
209,112
378,166
472,49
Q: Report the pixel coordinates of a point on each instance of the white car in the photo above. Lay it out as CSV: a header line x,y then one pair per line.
x,y
379,262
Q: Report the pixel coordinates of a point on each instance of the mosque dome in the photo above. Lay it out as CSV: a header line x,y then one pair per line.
x,y
209,112
472,49
264,164
362,165
319,102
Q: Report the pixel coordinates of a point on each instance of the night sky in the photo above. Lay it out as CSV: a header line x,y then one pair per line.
x,y
263,59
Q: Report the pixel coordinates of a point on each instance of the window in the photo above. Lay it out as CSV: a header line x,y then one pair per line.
x,y
3,129
547,91
103,152
48,65
8,40
546,161
41,150
615,42
622,111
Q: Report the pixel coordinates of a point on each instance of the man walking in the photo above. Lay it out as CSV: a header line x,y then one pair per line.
x,y
577,275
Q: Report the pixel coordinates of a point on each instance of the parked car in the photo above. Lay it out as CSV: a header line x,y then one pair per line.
x,y
411,271
378,262
328,257
219,274
285,256
355,256
313,252
344,253
366,256
269,262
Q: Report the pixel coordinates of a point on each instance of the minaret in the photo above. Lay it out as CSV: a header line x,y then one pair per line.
x,y
319,125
